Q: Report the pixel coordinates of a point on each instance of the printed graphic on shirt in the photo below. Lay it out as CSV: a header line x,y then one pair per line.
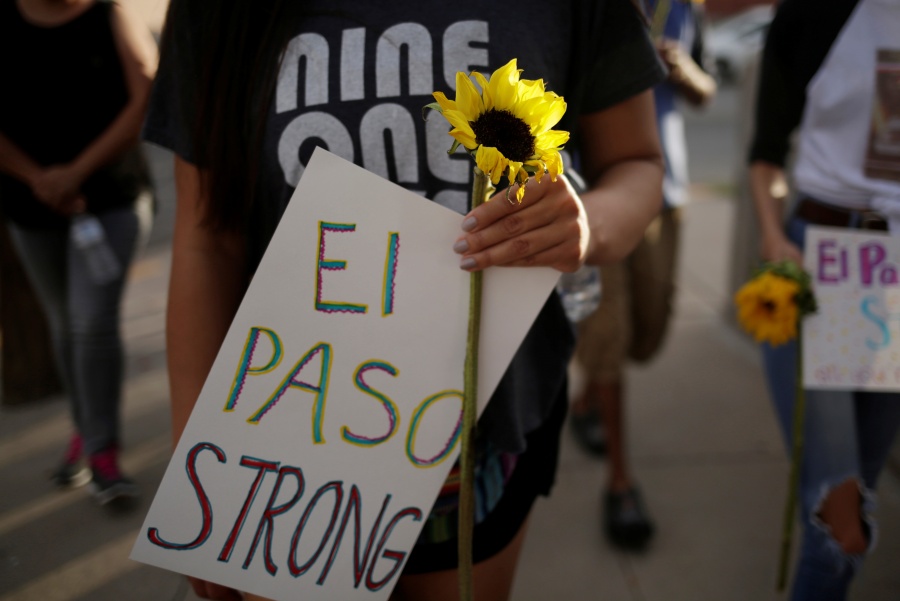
x,y
370,113
883,153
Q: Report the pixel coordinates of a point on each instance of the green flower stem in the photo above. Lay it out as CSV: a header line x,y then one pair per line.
x,y
796,462
480,189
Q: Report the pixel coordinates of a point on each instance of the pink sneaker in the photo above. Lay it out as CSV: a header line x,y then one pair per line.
x,y
71,473
107,481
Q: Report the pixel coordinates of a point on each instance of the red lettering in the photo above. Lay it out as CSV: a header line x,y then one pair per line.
x,y
262,466
205,506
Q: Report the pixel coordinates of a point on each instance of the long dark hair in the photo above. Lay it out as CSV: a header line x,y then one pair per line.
x,y
234,59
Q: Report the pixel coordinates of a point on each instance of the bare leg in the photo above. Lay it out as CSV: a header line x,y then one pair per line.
x,y
625,519
609,397
841,512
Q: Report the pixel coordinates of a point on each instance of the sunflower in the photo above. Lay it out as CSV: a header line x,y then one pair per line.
x,y
507,126
768,309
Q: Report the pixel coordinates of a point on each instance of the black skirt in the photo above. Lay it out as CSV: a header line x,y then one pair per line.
x,y
533,475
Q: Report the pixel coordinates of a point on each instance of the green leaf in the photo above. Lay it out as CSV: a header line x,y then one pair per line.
x,y
433,106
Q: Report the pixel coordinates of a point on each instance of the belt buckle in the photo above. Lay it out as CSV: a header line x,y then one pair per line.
x,y
872,220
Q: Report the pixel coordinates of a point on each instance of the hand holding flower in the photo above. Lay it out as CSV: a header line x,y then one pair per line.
x,y
549,228
776,247
506,128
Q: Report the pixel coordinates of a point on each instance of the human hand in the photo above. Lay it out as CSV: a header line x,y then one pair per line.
x,y
777,247
216,592
669,51
74,205
674,57
57,185
549,228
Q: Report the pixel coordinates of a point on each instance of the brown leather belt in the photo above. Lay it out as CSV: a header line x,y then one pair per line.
x,y
820,213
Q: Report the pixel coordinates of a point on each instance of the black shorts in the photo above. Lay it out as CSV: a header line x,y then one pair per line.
x,y
534,475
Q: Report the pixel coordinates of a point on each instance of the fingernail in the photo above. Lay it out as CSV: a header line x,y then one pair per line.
x,y
469,224
468,263
461,246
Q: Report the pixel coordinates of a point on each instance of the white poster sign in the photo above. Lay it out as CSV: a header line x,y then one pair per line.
x,y
331,415
853,342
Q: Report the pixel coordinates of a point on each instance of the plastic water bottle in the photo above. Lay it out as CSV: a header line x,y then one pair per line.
x,y
90,239
580,292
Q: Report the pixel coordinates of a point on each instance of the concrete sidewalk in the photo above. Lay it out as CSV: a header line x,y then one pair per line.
x,y
704,446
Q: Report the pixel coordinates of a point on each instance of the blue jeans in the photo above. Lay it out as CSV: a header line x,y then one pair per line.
x,y
83,317
847,436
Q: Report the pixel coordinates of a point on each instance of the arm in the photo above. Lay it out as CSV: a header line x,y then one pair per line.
x,y
779,107
15,162
554,226
205,290
768,187
623,164
137,52
693,83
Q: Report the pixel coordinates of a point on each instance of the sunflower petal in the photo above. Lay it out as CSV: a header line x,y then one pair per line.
x,y
550,115
530,88
491,161
468,100
464,139
446,103
486,97
503,86
553,138
538,168
459,121
554,164
514,168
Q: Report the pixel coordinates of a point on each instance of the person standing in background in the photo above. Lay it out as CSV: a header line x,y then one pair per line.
x,y
77,76
819,92
637,293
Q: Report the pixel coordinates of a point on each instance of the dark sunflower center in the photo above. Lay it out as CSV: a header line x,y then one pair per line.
x,y
505,132
769,307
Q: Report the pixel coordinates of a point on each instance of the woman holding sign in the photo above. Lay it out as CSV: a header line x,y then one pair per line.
x,y
247,89
819,75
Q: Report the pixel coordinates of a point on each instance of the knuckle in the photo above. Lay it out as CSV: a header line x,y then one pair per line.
x,y
570,207
571,255
521,246
512,224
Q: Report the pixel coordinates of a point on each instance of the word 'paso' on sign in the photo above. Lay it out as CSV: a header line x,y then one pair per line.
x,y
320,390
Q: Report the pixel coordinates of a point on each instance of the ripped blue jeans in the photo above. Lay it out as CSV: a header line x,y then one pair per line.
x,y
848,435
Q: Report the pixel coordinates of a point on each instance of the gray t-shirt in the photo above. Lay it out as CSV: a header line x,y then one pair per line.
x,y
354,78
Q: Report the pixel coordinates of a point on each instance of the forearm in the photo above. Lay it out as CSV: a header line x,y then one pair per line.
x,y
204,295
620,206
694,84
768,188
136,51
14,162
123,133
206,286
764,179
